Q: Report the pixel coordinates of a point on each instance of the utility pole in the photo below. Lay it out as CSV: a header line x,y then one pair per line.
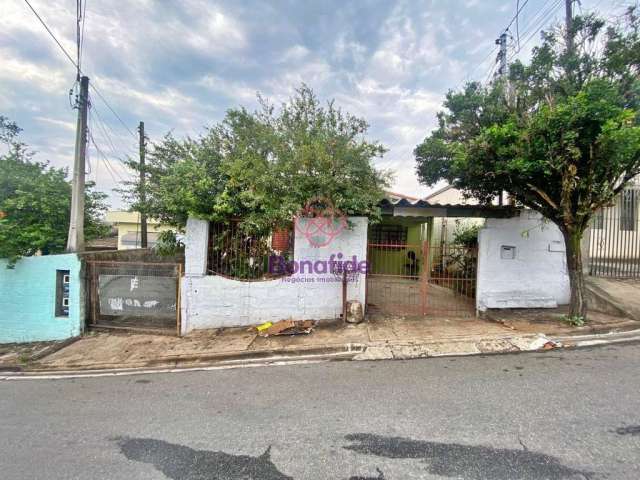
x,y
143,195
502,73
568,21
502,54
75,240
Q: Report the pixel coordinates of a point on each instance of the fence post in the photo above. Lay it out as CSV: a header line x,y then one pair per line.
x,y
585,248
196,247
426,272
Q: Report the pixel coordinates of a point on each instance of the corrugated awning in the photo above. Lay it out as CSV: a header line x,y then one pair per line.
x,y
403,207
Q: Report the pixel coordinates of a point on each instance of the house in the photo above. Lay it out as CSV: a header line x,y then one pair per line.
x,y
444,228
128,227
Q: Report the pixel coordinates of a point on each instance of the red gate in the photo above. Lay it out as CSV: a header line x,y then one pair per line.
x,y
419,279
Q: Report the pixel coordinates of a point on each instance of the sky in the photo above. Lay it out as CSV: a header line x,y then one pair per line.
x,y
179,65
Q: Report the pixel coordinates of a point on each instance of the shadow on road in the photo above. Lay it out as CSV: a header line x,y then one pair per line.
x,y
183,463
466,461
453,460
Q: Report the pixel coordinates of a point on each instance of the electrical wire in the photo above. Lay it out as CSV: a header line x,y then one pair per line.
x,y
51,33
105,133
519,9
77,66
544,19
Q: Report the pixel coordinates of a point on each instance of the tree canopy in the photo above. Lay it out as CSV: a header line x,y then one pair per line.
x,y
560,135
35,200
262,167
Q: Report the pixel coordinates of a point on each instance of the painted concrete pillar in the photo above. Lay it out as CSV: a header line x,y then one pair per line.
x,y
196,246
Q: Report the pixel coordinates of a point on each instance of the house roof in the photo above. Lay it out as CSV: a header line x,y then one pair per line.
x,y
439,191
120,216
402,207
391,194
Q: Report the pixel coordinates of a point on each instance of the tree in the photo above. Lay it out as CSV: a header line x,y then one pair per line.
x,y
35,200
561,135
262,167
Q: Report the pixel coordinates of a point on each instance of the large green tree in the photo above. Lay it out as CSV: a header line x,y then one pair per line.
x,y
560,135
262,167
35,200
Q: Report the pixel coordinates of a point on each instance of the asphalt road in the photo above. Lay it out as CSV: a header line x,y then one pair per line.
x,y
556,415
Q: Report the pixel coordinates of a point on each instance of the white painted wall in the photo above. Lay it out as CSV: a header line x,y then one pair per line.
x,y
210,301
535,278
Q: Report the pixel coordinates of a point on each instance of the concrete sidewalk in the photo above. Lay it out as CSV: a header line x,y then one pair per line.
x,y
379,338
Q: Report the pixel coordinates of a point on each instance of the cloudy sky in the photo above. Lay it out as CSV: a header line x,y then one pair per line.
x,y
178,65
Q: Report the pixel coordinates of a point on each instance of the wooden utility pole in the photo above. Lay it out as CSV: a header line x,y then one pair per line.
x,y
143,195
75,240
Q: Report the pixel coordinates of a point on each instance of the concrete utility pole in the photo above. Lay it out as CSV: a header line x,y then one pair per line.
x,y
568,21
502,73
143,196
502,54
75,240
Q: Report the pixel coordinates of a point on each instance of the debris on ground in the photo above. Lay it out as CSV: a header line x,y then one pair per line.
x,y
538,343
286,327
264,326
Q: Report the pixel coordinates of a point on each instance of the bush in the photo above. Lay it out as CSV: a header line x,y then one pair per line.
x,y
466,235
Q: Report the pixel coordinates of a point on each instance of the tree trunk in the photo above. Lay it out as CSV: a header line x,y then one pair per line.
x,y
573,241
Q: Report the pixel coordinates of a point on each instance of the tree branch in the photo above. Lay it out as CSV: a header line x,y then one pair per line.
x,y
544,196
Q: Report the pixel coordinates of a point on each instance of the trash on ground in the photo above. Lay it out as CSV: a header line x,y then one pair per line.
x,y
287,327
538,343
264,326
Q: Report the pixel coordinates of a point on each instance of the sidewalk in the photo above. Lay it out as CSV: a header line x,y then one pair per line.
x,y
379,338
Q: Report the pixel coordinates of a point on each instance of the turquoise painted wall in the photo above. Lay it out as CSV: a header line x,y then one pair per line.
x,y
27,299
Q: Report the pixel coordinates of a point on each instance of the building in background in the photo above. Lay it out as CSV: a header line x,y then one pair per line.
x,y
444,228
128,227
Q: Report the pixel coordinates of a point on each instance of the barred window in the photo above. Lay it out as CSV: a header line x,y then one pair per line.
x,y
388,234
598,220
629,210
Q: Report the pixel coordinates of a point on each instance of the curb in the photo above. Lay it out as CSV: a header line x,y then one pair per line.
x,y
351,351
195,363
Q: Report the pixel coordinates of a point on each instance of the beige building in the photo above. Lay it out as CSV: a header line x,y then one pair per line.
x,y
128,226
445,227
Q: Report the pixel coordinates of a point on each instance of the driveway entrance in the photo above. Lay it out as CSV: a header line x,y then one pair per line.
x,y
419,279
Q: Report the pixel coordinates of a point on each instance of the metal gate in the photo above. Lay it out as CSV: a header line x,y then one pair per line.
x,y
614,238
134,295
419,279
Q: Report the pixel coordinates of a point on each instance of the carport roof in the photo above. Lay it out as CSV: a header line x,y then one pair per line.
x,y
403,207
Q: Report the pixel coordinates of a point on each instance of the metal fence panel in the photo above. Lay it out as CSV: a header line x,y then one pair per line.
x,y
134,294
614,237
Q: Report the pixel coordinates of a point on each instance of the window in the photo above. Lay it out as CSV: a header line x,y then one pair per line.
x,y
388,234
62,293
628,210
598,220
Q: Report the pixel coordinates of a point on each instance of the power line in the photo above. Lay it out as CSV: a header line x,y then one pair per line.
x,y
110,168
77,66
52,35
519,9
515,18
544,19
104,128
104,100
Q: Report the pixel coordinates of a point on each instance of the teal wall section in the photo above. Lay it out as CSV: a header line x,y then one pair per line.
x,y
27,299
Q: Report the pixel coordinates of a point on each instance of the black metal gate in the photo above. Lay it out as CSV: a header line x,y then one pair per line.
x,y
134,295
614,238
